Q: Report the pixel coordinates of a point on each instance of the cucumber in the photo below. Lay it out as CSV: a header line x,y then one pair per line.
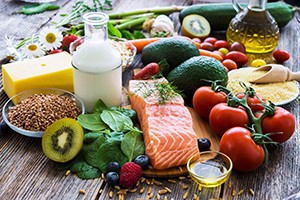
x,y
219,15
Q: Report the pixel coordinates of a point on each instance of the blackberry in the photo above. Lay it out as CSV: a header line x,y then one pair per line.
x,y
142,160
112,178
203,144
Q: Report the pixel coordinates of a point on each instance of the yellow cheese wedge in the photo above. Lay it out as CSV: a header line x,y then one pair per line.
x,y
51,71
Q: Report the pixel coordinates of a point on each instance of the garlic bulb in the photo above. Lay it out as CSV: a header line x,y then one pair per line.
x,y
162,26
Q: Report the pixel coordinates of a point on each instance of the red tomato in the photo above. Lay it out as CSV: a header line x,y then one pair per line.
x,y
207,46
211,40
238,57
253,102
219,53
282,122
237,46
221,44
205,99
281,55
223,117
198,40
245,154
229,64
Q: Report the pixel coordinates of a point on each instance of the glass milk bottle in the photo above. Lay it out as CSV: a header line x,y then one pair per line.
x,y
97,65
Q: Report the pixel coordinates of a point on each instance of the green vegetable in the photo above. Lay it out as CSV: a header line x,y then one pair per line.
x,y
37,8
132,145
219,15
111,136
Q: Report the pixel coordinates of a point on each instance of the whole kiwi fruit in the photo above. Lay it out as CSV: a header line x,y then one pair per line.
x,y
63,140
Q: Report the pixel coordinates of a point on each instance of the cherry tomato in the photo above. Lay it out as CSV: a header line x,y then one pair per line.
x,y
281,55
245,154
207,46
221,44
253,102
238,57
219,53
205,99
224,51
237,46
197,40
258,63
211,40
223,117
283,122
229,64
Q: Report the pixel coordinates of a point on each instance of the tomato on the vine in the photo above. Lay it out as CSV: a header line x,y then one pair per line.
x,y
282,124
223,117
253,102
205,98
245,154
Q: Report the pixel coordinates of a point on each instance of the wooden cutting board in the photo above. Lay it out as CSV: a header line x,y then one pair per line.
x,y
202,129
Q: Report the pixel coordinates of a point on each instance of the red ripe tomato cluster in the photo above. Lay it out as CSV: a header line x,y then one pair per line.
x,y
231,122
232,56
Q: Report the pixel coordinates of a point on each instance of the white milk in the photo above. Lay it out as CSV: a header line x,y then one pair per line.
x,y
97,71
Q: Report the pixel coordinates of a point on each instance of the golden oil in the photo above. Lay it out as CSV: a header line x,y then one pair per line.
x,y
209,173
255,28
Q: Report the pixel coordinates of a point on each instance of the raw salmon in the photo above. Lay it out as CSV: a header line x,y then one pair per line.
x,y
169,137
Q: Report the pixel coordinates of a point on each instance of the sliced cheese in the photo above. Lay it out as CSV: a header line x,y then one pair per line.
x,y
51,71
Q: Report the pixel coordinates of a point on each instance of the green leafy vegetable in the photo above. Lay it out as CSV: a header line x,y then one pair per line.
x,y
91,150
92,122
37,8
133,145
116,120
109,152
112,31
99,107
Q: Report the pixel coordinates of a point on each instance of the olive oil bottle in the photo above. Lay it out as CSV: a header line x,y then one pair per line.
x,y
254,27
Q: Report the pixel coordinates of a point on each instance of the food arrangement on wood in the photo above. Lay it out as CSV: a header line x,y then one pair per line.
x,y
158,134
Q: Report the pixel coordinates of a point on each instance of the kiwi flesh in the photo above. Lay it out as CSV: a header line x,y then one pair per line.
x,y
195,26
63,140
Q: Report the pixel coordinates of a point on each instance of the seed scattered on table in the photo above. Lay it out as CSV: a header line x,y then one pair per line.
x,y
111,193
251,192
172,180
82,191
185,195
240,192
68,172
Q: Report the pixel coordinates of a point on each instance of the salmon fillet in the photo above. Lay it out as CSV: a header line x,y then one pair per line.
x,y
169,137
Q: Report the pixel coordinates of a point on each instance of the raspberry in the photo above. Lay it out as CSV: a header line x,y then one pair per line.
x,y
130,173
67,40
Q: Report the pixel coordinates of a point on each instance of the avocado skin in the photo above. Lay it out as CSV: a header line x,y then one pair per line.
x,y
196,72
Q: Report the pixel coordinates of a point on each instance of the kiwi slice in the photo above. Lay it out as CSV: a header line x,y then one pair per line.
x,y
63,140
195,26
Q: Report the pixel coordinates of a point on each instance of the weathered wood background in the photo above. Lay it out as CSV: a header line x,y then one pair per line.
x,y
25,173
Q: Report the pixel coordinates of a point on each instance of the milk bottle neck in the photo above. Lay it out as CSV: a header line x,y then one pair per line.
x,y
95,26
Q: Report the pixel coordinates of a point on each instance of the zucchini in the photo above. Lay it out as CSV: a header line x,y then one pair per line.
x,y
219,15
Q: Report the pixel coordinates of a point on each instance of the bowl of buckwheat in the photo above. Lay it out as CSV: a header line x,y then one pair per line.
x,y
30,112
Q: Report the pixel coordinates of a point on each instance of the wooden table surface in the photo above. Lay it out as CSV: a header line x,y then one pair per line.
x,y
25,172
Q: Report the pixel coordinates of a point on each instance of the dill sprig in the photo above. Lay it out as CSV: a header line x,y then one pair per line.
x,y
166,91
82,7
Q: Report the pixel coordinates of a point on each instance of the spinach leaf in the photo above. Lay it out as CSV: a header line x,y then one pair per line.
x,y
108,152
113,31
116,120
99,107
128,112
91,173
127,34
91,137
118,136
91,150
133,145
138,35
92,122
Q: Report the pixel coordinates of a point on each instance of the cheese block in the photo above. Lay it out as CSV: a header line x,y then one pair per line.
x,y
51,71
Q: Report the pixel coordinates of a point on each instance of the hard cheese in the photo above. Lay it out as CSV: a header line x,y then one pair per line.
x,y
51,71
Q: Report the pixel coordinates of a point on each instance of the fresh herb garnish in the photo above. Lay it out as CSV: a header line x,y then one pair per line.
x,y
37,8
